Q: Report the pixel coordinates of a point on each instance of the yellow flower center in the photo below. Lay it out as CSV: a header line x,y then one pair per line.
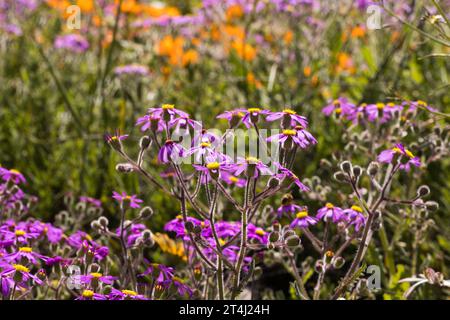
x,y
289,111
96,274
205,144
336,102
177,279
14,171
129,292
167,106
260,232
338,110
409,153
329,254
356,208
380,106
179,217
391,104
234,179
213,166
421,103
302,214
88,293
25,249
289,132
20,268
252,160
329,205
20,233
253,110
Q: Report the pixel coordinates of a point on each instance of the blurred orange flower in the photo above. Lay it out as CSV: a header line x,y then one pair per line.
x,y
244,50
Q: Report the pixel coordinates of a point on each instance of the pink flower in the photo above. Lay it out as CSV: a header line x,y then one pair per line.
x,y
123,198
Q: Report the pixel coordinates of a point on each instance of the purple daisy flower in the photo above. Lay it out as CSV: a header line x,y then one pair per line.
x,y
167,109
303,220
72,42
330,212
91,295
288,208
234,117
290,177
355,217
132,200
12,175
97,277
289,117
150,122
125,295
132,69
231,179
247,165
251,116
299,136
387,156
171,151
24,253
340,106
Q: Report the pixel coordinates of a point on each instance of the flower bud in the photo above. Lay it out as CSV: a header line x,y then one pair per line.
x,y
318,267
357,170
329,256
346,166
423,191
273,183
373,168
293,241
274,236
95,225
338,262
103,221
94,268
145,142
146,234
124,168
432,205
340,176
146,212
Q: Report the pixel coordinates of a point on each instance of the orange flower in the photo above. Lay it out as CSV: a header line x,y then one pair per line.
x,y
244,51
234,11
234,32
307,71
189,57
358,32
86,5
345,63
288,37
60,5
253,81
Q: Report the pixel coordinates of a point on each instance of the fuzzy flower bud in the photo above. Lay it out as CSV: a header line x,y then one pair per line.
x,y
103,221
423,191
145,142
124,168
373,168
346,166
339,176
146,212
432,205
357,170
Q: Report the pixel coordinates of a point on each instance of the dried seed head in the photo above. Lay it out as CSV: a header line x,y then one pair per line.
x,y
373,168
432,205
357,170
340,176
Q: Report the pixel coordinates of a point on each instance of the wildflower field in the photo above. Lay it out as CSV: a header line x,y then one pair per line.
x,y
232,149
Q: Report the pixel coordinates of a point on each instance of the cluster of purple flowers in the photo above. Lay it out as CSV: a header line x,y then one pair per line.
x,y
300,217
34,254
380,112
73,42
225,231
